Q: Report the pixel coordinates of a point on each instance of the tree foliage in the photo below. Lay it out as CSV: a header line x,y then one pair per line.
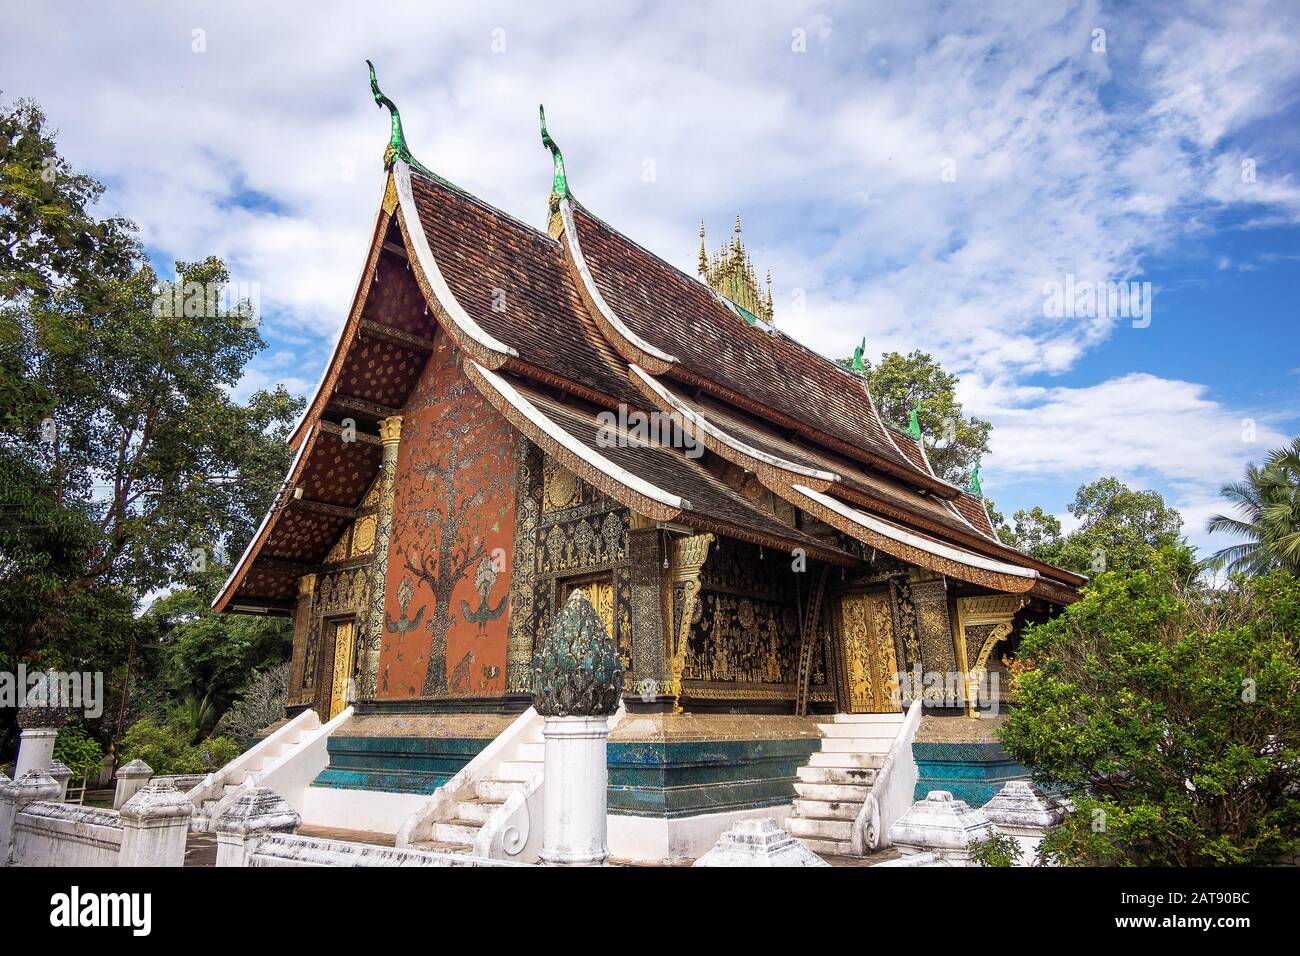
x,y
126,463
953,440
1267,502
1170,715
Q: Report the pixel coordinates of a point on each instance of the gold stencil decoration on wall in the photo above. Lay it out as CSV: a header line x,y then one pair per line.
x,y
560,487
363,535
340,550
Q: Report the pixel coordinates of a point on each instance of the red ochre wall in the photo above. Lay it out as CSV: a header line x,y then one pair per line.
x,y
450,552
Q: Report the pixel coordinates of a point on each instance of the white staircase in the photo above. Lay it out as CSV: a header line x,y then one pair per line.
x,y
456,830
286,761
838,779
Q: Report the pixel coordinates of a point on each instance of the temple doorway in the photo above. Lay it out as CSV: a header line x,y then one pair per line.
x,y
868,662
344,640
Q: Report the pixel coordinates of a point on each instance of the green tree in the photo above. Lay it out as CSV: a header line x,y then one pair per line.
x,y
1267,502
1170,714
1035,532
1119,529
126,465
204,661
953,440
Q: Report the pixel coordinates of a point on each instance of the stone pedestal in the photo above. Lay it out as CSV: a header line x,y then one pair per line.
x,y
131,779
577,777
942,826
759,843
258,812
15,795
35,750
155,825
1023,811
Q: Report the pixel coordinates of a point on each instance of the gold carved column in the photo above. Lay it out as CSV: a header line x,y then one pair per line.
x,y
688,557
372,623
981,623
301,635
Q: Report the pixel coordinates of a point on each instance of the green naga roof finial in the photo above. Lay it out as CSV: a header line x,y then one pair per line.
x,y
397,148
914,423
974,487
560,187
857,366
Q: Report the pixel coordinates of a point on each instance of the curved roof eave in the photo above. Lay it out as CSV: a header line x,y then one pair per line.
x,y
657,389
916,549
641,495
476,340
627,343
240,568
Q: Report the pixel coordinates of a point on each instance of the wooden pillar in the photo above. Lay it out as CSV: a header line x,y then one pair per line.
x,y
301,635
372,621
688,556
648,678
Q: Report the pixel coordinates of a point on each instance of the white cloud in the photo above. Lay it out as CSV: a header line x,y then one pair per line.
x,y
1146,430
265,150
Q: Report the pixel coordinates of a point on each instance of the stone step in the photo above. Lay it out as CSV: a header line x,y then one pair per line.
x,y
464,832
828,847
519,770
838,776
531,750
438,846
498,790
859,761
819,828
477,810
840,792
827,809
862,745
896,718
229,788
857,731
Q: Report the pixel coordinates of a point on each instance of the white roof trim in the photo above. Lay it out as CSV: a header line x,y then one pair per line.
x,y
575,250
558,434
234,570
709,428
424,255
903,536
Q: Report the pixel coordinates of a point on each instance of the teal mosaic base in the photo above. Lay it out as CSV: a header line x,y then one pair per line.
x,y
691,778
396,764
970,772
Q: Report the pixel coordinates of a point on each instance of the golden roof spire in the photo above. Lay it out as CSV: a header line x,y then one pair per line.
x,y
731,272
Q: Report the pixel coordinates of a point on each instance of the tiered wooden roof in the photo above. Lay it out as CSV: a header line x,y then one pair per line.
x,y
555,330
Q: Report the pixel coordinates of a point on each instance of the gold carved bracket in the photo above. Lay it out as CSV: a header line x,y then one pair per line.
x,y
998,610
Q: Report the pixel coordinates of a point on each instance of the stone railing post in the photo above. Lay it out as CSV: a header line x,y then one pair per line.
x,y
61,774
257,812
131,779
15,795
941,826
40,728
577,683
155,825
1024,812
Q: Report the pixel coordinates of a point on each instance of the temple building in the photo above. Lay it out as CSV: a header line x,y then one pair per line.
x,y
511,414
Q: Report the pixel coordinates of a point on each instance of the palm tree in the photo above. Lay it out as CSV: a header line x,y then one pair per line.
x,y
1268,503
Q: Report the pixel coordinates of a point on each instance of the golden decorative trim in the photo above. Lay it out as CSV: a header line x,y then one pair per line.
x,y
390,430
688,557
390,195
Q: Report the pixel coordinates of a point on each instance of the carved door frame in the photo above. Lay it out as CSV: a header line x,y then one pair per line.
x,y
330,625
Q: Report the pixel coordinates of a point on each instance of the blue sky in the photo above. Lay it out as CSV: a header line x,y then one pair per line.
x,y
917,173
